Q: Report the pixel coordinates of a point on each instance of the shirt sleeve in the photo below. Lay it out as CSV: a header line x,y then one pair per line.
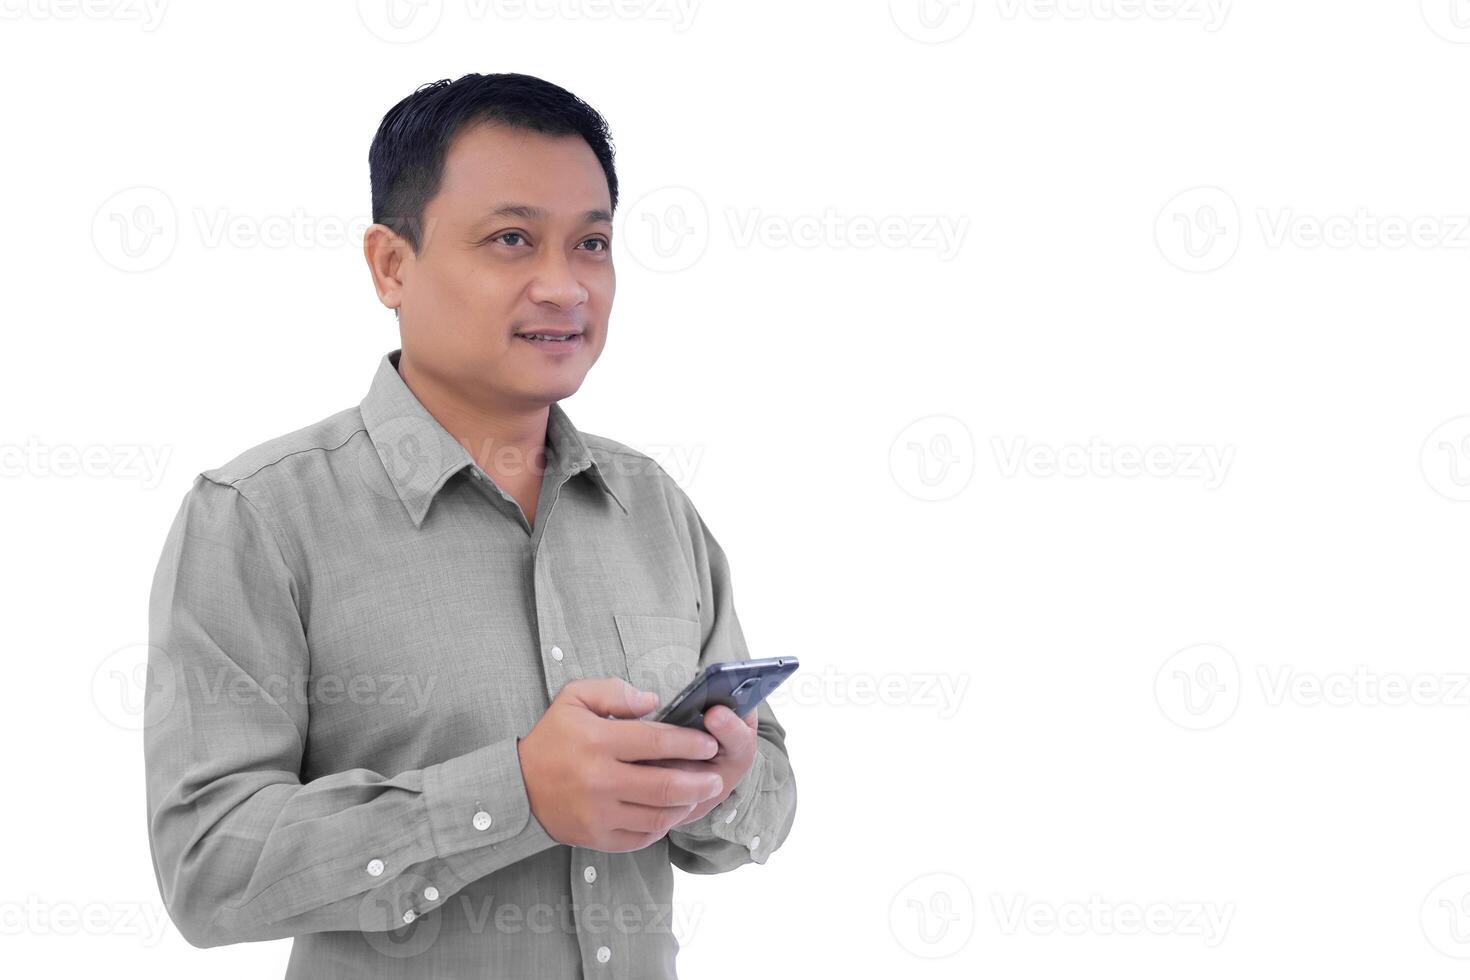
x,y
242,849
757,816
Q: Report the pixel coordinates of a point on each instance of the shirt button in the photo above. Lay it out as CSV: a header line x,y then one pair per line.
x,y
589,874
431,893
409,916
556,653
375,867
755,842
730,817
481,820
603,954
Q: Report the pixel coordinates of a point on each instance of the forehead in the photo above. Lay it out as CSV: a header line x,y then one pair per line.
x,y
490,163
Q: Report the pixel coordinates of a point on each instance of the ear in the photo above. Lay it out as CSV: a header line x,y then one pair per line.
x,y
389,257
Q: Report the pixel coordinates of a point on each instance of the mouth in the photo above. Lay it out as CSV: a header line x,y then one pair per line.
x,y
556,341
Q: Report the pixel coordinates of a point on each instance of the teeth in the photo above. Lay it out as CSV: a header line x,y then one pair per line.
x,y
542,336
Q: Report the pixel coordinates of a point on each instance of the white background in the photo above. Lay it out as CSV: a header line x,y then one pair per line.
x,y
1205,719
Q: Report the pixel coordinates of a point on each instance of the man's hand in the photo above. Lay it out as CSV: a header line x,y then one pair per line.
x,y
737,737
580,763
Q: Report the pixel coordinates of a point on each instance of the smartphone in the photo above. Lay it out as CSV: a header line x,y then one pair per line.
x,y
739,685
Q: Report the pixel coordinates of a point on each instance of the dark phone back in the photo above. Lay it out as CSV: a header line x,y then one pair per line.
x,y
739,685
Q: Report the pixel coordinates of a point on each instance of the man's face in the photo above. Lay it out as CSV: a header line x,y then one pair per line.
x,y
481,279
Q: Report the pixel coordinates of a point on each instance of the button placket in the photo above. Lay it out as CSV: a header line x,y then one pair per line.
x,y
560,658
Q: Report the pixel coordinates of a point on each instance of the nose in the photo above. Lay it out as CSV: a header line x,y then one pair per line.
x,y
554,282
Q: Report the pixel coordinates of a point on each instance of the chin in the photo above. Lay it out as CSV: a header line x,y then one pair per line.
x,y
548,390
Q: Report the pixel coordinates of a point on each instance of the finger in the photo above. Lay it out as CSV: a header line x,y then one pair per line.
x,y
688,765
609,697
665,786
640,819
632,740
732,730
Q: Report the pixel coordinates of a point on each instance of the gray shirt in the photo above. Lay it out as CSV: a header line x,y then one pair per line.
x,y
350,627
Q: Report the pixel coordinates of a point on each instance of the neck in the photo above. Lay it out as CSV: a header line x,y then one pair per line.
x,y
507,441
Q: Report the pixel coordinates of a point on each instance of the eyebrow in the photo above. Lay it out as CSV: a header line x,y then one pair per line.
x,y
531,212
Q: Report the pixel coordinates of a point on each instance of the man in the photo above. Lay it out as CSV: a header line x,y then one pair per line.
x,y
401,659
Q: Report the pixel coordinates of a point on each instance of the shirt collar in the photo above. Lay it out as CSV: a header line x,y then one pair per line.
x,y
420,455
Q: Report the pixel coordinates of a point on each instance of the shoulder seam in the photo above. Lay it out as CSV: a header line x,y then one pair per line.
x,y
294,452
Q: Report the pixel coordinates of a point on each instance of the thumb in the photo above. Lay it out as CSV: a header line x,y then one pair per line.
x,y
610,697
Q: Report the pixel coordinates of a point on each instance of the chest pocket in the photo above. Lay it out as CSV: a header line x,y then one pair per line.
x,y
660,653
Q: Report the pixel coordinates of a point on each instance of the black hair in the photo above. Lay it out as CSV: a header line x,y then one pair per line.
x,y
406,160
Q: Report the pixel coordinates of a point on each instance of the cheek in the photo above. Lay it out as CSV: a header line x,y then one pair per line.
x,y
476,298
605,285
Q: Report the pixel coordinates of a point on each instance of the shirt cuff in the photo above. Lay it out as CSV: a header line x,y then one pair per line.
x,y
736,819
479,798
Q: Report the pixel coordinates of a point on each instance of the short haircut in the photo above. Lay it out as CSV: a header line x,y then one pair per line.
x,y
406,160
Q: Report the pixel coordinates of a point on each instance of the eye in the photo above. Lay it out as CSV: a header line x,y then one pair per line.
x,y
507,234
598,241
